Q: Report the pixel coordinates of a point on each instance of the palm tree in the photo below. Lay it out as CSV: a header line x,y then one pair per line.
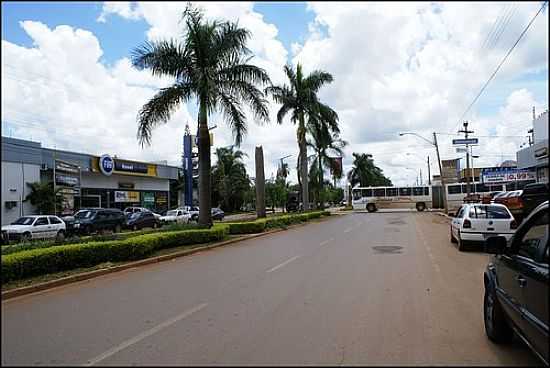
x,y
300,97
324,143
365,172
43,197
230,178
210,65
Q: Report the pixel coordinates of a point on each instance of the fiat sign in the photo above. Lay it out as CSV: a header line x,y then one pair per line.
x,y
106,165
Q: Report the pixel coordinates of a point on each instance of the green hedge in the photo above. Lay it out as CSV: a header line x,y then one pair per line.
x,y
65,257
258,226
249,227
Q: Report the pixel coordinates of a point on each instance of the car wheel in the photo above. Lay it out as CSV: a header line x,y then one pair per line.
x,y
60,236
461,246
371,207
453,239
420,206
26,237
496,326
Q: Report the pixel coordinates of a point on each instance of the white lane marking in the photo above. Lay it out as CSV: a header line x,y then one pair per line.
x,y
348,230
144,334
326,242
282,264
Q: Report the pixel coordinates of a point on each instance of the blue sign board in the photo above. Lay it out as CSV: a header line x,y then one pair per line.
x,y
465,141
106,165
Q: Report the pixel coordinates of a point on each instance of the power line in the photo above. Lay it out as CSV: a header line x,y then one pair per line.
x,y
503,27
502,62
496,23
503,16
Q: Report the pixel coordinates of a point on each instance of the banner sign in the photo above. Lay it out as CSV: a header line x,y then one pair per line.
x,y
128,197
149,197
450,170
66,180
465,141
505,174
67,167
134,167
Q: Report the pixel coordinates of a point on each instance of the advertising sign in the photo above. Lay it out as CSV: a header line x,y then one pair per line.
x,y
127,197
506,174
106,165
67,167
149,197
465,141
134,167
67,178
450,170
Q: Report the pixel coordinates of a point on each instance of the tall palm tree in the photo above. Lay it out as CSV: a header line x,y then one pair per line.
x,y
324,143
300,97
365,172
209,65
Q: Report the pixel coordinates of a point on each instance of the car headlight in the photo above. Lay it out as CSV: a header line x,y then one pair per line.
x,y
76,225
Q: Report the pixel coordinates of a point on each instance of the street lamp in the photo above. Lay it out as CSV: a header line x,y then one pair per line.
x,y
419,136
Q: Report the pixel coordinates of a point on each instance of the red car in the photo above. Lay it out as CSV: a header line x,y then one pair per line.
x,y
512,200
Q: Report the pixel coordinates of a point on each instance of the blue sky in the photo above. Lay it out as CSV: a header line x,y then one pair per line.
x,y
118,36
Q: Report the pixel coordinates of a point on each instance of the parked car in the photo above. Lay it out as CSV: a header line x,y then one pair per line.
x,y
217,214
176,216
100,219
72,225
35,227
516,284
139,220
488,197
129,210
533,195
194,211
474,223
514,203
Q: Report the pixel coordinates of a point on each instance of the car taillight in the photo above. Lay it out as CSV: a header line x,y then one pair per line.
x,y
513,224
467,224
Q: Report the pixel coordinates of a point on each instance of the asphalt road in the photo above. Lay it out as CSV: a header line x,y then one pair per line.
x,y
378,289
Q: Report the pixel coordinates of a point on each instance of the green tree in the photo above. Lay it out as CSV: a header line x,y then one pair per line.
x,y
325,143
229,179
209,65
43,197
366,173
300,98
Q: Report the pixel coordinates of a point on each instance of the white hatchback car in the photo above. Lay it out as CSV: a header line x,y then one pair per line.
x,y
178,216
476,222
36,227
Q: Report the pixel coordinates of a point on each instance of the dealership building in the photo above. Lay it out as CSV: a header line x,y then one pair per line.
x,y
83,180
535,157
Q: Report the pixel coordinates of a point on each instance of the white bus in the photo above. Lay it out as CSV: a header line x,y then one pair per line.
x,y
456,192
374,198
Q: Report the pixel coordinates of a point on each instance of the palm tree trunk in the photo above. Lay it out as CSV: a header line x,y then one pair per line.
x,y
303,161
321,204
260,183
205,215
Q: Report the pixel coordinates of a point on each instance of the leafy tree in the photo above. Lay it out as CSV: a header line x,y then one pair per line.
x,y
276,193
229,179
366,173
300,98
43,197
209,65
325,143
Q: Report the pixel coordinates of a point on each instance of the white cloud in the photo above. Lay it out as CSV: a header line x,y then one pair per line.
x,y
416,67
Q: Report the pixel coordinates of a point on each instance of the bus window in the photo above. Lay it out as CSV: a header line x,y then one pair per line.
x,y
405,191
379,192
454,189
482,188
356,194
426,190
418,191
367,192
465,188
496,188
391,192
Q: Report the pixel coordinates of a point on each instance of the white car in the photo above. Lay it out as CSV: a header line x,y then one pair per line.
x,y
36,227
476,222
178,216
192,210
129,210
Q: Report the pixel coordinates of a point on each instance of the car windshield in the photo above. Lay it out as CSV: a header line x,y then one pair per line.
x,y
171,213
84,214
134,215
23,221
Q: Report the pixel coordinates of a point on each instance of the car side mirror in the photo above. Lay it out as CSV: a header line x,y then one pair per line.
x,y
495,245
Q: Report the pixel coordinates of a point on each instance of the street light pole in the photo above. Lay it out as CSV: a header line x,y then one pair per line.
x,y
429,174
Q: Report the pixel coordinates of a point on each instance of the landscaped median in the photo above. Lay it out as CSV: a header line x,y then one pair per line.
x,y
41,261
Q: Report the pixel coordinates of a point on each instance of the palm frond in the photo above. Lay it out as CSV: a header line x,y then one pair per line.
x,y
234,116
316,79
163,58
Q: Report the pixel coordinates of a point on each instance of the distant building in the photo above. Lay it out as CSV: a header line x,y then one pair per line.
x,y
535,157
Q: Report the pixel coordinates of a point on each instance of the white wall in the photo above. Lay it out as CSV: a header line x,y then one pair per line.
x,y
540,128
100,181
15,176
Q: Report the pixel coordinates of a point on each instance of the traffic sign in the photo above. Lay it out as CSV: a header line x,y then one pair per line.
x,y
465,141
461,150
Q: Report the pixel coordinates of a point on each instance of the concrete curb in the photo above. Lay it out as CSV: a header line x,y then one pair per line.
x,y
25,290
444,215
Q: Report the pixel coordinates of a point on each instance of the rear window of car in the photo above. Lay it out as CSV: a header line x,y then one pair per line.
x,y
54,220
496,212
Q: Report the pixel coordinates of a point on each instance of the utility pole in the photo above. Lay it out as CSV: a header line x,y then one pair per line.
x,y
429,174
441,175
466,132
420,176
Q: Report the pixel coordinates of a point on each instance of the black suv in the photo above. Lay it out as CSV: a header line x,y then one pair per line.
x,y
533,195
100,219
516,284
